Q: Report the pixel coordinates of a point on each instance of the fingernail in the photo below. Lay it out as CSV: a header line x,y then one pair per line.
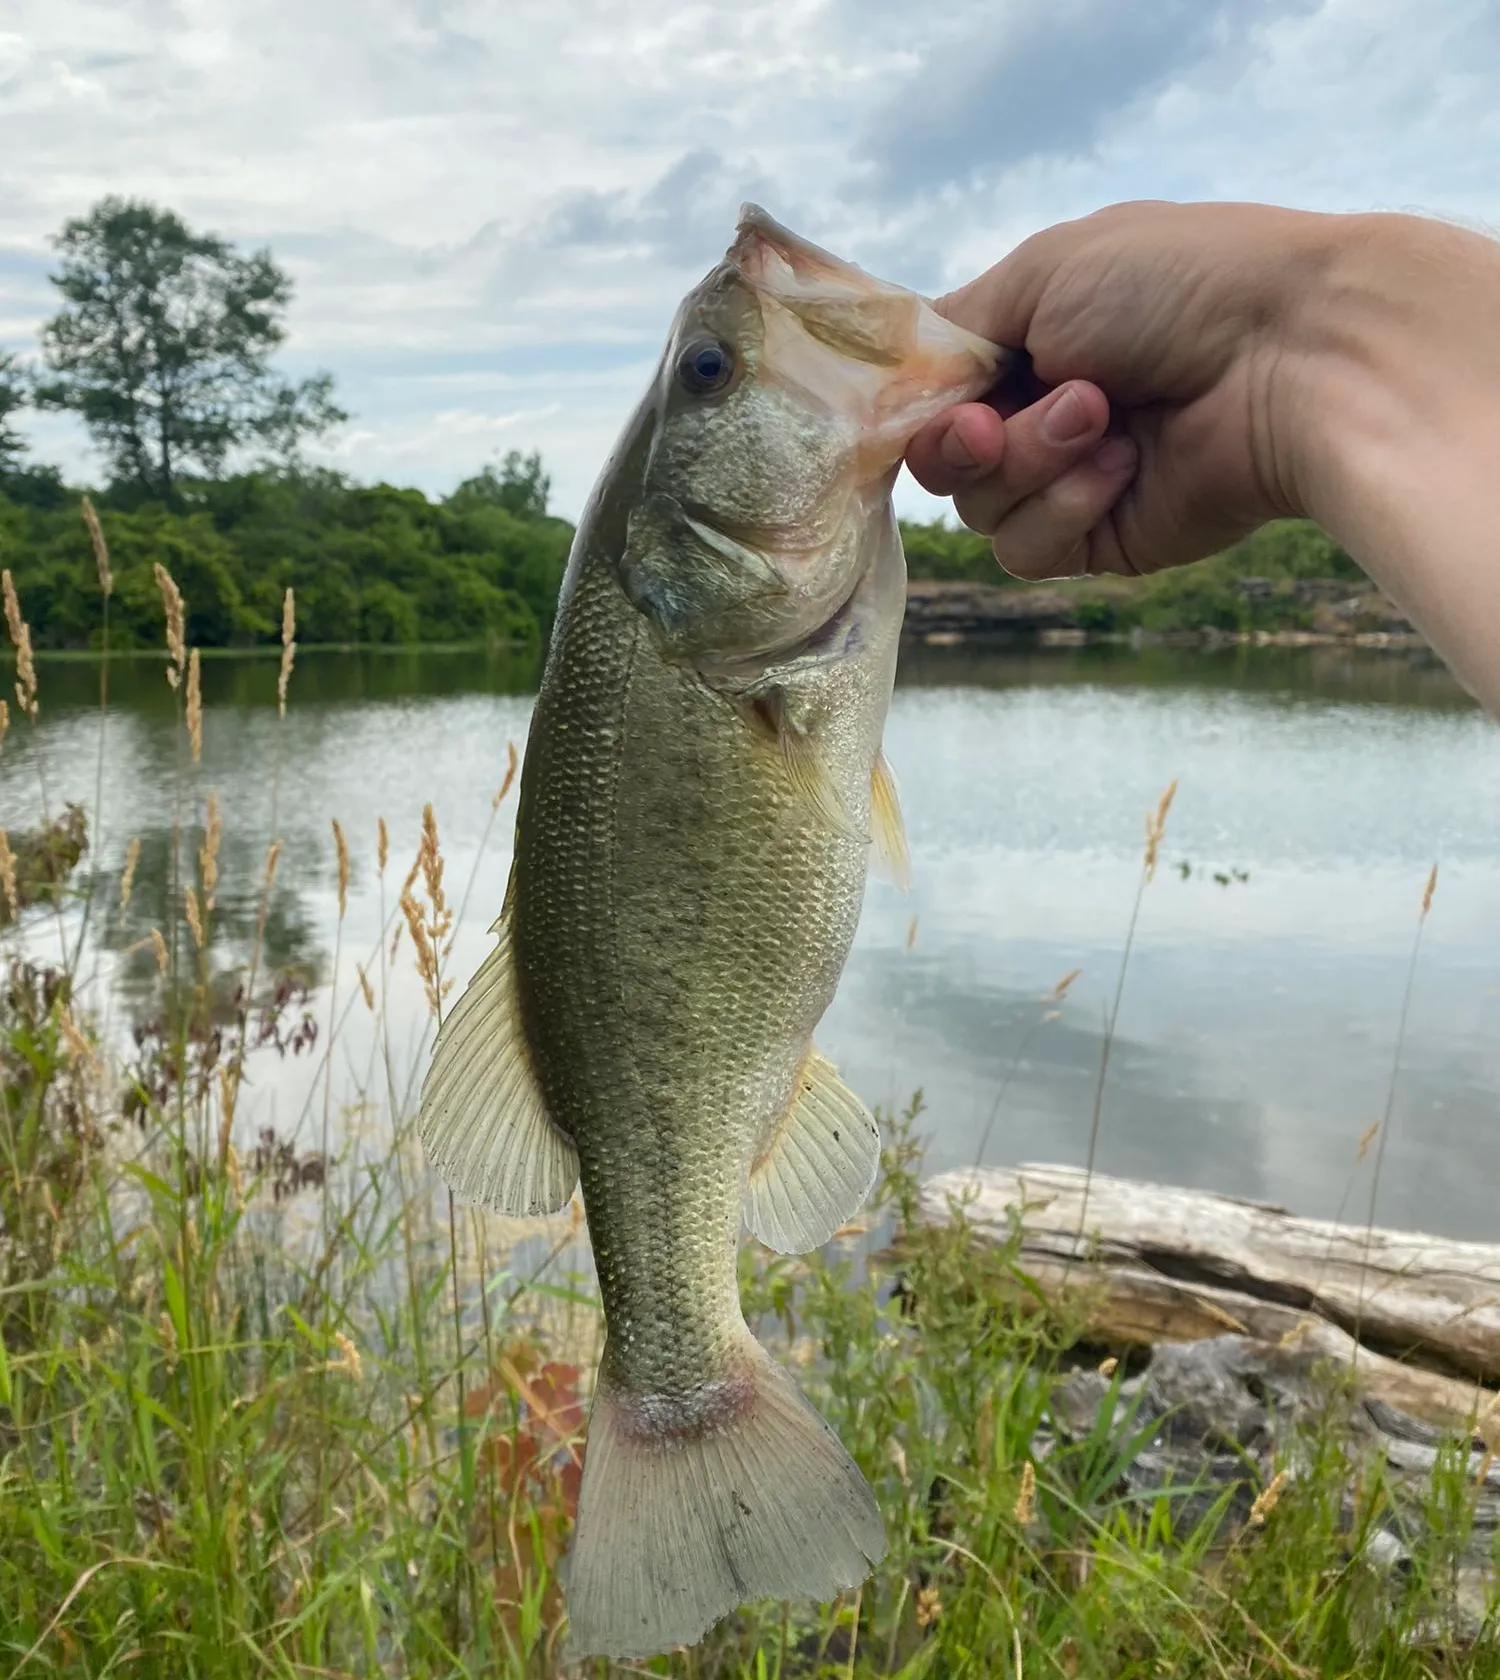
x,y
955,452
1114,455
1066,418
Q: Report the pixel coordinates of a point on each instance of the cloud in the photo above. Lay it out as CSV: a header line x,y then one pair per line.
x,y
677,219
1019,82
491,211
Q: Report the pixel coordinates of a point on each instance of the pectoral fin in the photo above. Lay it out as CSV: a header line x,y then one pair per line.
x,y
804,767
816,1162
483,1120
892,859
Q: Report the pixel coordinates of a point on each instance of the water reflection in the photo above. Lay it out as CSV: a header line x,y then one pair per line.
x,y
167,860
1341,672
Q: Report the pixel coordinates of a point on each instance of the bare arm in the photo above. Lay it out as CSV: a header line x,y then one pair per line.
x,y
1399,438
1254,363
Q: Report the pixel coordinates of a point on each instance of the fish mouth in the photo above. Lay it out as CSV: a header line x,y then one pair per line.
x,y
760,240
902,363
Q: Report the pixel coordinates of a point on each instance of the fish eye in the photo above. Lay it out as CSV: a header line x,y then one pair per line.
x,y
706,367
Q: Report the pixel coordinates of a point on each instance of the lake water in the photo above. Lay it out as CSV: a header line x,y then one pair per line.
x,y
1257,1029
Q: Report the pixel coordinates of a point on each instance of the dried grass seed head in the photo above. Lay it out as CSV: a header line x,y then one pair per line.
x,y
171,600
79,1048
195,706
1156,827
512,762
127,875
347,1359
194,916
101,548
1266,1500
288,649
929,1606
341,846
8,876
208,855
1024,1511
20,635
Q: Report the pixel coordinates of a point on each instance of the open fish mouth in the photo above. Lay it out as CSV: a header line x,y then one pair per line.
x,y
905,361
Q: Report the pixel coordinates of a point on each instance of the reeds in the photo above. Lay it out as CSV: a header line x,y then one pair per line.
x,y
20,635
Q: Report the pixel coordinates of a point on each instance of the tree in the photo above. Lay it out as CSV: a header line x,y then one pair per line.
x,y
521,486
12,397
163,347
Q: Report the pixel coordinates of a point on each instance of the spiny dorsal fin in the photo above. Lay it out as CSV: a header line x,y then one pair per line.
x,y
891,858
483,1120
815,1164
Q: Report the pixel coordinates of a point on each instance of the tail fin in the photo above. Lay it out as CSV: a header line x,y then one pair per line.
x,y
690,1507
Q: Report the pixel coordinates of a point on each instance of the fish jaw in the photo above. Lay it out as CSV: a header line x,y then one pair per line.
x,y
865,346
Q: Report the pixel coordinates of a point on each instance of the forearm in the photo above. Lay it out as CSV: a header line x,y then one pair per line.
x,y
1399,429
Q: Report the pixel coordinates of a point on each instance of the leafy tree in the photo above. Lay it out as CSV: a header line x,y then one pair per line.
x,y
12,397
163,348
939,550
521,486
387,615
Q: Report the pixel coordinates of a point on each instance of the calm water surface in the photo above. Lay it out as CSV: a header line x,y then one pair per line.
x,y
1258,1021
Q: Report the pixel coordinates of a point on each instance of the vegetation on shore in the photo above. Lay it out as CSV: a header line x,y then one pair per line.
x,y
369,563
274,1406
383,566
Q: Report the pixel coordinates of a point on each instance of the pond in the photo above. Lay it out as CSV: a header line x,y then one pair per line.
x,y
1256,1038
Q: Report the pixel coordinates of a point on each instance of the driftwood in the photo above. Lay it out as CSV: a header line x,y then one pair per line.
x,y
1418,1317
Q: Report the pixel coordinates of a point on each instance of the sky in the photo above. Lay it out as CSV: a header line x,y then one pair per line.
x,y
490,208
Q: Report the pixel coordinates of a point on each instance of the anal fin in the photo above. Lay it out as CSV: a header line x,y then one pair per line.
x,y
816,1162
483,1119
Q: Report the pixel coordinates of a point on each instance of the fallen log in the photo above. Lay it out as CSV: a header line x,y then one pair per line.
x,y
1417,1316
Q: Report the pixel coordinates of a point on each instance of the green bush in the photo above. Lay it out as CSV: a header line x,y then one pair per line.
x,y
367,562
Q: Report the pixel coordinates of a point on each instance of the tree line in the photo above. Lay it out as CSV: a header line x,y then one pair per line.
x,y
163,347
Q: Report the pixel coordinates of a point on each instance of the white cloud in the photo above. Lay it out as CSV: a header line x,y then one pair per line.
x,y
490,207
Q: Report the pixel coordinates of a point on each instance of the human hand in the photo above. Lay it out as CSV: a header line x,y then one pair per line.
x,y
1188,329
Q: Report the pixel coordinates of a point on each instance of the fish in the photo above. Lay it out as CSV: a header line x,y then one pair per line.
x,y
701,797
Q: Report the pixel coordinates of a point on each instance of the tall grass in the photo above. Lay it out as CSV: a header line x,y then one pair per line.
x,y
271,1413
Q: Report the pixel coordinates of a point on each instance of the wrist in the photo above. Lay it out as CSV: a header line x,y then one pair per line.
x,y
1393,424
1398,337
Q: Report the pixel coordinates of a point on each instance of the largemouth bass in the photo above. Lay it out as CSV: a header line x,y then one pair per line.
x,y
701,788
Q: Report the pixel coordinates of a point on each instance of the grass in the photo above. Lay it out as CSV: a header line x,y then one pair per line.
x,y
271,1412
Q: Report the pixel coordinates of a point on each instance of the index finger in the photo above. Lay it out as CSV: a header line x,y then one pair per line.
x,y
961,445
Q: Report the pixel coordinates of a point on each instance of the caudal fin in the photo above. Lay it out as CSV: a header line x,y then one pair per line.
x,y
690,1507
